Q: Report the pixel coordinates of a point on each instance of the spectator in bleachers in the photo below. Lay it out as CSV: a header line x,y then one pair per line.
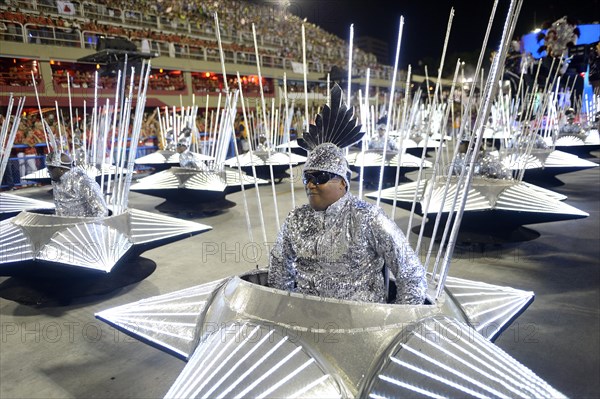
x,y
279,35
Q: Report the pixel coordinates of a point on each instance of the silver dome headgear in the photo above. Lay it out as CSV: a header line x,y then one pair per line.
x,y
59,159
185,137
335,128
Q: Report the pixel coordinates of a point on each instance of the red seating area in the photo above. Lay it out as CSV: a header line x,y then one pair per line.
x,y
186,30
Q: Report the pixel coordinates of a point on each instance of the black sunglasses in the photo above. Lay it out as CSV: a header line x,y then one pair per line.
x,y
317,177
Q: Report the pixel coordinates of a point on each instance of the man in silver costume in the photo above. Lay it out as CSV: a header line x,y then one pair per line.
x,y
186,157
378,143
75,193
486,164
339,246
570,127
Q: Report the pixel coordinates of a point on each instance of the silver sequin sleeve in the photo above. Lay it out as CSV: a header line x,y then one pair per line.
x,y
78,195
187,160
341,253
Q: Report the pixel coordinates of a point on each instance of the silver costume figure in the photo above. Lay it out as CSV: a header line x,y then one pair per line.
x,y
486,165
186,157
570,127
341,252
378,143
338,246
187,160
75,193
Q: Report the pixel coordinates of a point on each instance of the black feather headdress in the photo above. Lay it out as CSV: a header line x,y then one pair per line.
x,y
336,125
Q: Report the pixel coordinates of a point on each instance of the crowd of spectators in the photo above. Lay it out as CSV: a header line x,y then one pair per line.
x,y
208,82
30,148
188,26
179,28
41,28
16,73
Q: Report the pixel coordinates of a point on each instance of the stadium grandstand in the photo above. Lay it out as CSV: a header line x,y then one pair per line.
x,y
48,37
58,46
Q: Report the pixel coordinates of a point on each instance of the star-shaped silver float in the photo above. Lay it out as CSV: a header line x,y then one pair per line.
x,y
498,201
264,162
41,176
204,189
241,338
87,242
292,146
545,163
577,143
165,159
11,205
415,142
370,164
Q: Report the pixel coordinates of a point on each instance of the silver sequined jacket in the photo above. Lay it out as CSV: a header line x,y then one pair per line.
x,y
340,253
76,194
187,160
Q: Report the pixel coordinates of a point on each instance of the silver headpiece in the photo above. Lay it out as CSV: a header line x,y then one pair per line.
x,y
334,129
185,137
59,159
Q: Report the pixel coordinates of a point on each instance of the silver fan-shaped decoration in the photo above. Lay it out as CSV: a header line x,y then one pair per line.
x,y
175,312
246,159
168,157
176,178
198,158
284,158
10,203
15,245
569,140
373,159
547,159
206,181
233,179
42,176
488,307
161,180
146,227
87,245
440,357
264,158
259,362
522,200
87,242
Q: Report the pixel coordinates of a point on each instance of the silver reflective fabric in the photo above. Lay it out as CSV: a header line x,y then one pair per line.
x,y
340,253
187,160
524,144
378,143
487,166
491,167
570,128
328,157
76,194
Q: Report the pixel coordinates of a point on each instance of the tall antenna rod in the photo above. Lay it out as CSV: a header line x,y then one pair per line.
x,y
489,92
390,105
264,113
430,121
350,53
251,152
304,73
402,126
221,54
